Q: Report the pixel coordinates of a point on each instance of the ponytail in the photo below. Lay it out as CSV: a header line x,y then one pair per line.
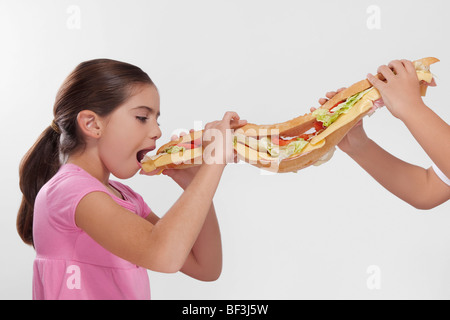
x,y
38,165
99,85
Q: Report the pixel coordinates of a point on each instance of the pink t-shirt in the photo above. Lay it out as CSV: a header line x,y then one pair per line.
x,y
69,264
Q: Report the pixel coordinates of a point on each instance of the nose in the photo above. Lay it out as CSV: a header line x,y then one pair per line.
x,y
155,133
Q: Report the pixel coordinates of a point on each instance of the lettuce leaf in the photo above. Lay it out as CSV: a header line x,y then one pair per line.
x,y
327,118
296,146
284,151
174,149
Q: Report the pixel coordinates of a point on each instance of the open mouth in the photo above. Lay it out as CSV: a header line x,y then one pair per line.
x,y
141,154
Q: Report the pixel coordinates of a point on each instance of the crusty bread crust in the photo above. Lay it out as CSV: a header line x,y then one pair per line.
x,y
302,123
298,124
293,127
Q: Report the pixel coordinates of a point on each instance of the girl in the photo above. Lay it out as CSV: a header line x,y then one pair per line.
x,y
94,237
422,188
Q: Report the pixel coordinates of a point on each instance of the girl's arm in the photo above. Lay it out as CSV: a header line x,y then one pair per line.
x,y
166,244
204,262
163,246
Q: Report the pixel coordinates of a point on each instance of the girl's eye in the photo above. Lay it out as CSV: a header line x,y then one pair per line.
x,y
145,119
142,119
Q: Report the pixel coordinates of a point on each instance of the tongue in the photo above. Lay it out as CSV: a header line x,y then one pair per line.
x,y
141,154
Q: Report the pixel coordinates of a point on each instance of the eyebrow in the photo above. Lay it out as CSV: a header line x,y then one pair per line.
x,y
149,110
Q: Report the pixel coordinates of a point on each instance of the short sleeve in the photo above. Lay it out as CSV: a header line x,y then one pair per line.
x,y
441,175
140,206
64,195
144,208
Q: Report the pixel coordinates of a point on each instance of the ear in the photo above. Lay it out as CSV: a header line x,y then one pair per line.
x,y
90,123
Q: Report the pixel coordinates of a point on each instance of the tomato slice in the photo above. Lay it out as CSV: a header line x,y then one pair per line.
x,y
318,126
331,109
187,146
279,142
191,144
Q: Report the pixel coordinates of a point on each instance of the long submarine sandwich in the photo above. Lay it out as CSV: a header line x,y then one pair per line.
x,y
291,145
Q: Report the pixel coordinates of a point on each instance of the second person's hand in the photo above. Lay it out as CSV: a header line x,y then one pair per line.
x,y
401,91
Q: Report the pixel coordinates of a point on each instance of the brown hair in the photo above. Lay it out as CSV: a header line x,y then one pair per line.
x,y
99,85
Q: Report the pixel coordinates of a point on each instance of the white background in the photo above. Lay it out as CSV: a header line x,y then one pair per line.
x,y
314,234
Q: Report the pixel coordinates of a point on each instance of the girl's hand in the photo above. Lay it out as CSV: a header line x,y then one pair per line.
x,y
218,139
356,137
217,147
401,91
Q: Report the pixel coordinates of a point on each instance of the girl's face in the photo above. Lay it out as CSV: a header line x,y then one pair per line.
x,y
130,131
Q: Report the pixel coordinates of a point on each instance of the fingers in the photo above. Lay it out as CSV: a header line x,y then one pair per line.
x,y
394,68
329,95
176,137
232,119
409,66
377,83
227,119
397,66
238,124
229,116
387,73
182,134
322,100
402,66
211,124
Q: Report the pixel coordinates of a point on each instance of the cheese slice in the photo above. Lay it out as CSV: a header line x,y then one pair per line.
x,y
193,156
310,147
244,139
253,156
